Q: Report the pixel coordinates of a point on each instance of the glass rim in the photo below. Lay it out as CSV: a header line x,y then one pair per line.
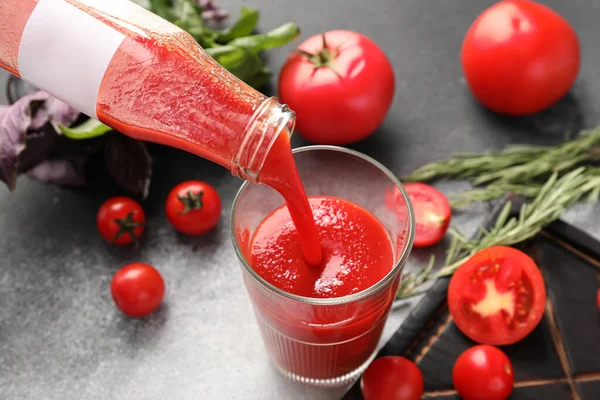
x,y
333,300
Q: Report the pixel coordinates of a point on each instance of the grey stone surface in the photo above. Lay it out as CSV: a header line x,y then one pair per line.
x,y
60,334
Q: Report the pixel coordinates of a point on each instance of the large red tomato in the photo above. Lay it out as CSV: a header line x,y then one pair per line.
x,y
519,57
498,296
341,90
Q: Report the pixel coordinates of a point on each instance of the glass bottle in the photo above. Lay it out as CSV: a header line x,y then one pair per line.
x,y
147,78
143,76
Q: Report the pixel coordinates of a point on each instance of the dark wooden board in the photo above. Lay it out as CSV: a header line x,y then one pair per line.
x,y
559,360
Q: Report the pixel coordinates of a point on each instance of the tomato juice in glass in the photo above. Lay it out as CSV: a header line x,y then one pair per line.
x,y
325,341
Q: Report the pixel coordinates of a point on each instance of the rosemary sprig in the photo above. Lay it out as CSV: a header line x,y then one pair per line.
x,y
410,282
591,175
462,199
515,164
551,201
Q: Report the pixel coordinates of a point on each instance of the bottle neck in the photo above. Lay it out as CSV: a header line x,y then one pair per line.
x,y
270,120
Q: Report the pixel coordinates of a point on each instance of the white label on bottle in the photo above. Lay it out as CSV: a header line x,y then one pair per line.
x,y
66,52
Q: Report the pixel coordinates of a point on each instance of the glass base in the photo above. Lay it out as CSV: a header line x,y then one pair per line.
x,y
329,382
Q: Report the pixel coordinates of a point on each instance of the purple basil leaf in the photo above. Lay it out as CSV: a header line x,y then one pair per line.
x,y
58,171
129,163
27,133
39,145
30,142
3,111
211,12
60,113
13,130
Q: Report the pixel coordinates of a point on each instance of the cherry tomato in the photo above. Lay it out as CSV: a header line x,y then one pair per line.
x,y
193,207
137,289
519,57
341,90
483,373
121,220
432,213
498,296
392,378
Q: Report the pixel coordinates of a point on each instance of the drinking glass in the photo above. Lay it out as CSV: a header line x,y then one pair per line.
x,y
325,341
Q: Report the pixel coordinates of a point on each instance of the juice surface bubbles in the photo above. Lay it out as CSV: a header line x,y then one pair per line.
x,y
357,250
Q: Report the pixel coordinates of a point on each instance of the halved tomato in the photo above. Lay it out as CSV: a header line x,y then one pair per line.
x,y
498,296
432,213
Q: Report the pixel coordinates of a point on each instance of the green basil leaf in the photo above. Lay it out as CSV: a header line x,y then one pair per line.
x,y
188,17
260,78
87,130
275,38
252,65
244,26
162,8
229,57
